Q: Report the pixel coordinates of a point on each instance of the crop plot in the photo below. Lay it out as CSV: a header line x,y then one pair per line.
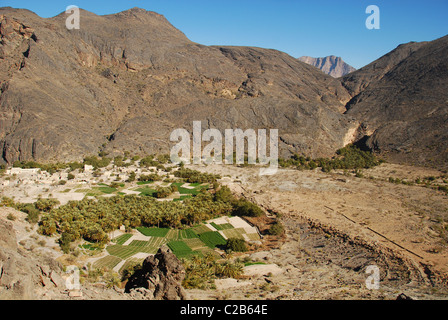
x,y
157,242
195,243
122,239
142,183
122,252
146,191
234,233
180,249
201,239
212,239
175,234
105,189
108,262
223,226
201,229
253,236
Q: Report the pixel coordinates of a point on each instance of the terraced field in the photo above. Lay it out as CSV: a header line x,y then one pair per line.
x,y
122,239
198,240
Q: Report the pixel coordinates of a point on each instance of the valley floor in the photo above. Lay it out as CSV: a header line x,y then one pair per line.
x,y
336,226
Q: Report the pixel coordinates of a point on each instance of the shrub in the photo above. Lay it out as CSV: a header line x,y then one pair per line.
x,y
46,205
349,157
131,177
115,185
7,202
193,176
237,245
148,162
224,194
243,207
97,163
30,210
150,177
164,192
276,229
118,161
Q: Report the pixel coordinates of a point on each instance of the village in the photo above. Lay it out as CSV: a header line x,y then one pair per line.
x,y
28,185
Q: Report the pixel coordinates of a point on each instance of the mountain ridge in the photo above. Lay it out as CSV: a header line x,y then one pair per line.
x,y
124,81
113,92
331,65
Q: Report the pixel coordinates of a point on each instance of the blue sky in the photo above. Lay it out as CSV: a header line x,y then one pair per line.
x,y
315,28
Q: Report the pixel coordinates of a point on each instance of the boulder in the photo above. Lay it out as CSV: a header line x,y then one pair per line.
x,y
161,276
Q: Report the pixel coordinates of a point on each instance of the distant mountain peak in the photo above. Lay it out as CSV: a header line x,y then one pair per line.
x,y
332,65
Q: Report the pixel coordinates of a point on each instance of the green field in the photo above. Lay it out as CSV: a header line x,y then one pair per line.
x,y
144,246
195,243
122,252
108,262
199,239
146,191
157,241
234,233
142,183
105,189
201,229
122,239
180,249
223,226
175,234
212,239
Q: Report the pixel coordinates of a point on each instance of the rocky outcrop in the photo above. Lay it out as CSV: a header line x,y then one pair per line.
x,y
160,277
402,102
331,65
24,276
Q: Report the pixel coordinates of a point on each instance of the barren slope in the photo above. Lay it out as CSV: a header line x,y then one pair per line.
x,y
125,81
402,102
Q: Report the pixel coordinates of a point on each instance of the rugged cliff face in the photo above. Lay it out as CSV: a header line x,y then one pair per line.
x,y
402,101
124,82
331,65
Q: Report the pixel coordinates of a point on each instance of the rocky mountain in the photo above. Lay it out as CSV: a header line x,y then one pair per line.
x,y
402,101
334,66
124,82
